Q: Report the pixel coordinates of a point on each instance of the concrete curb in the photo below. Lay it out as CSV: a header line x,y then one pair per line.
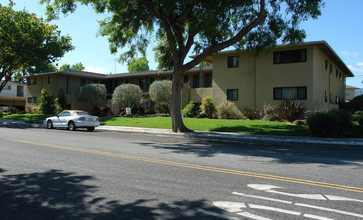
x,y
238,136
208,135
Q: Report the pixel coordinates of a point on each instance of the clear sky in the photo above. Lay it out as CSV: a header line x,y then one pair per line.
x,y
341,25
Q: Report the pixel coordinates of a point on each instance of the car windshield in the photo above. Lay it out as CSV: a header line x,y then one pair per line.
x,y
82,113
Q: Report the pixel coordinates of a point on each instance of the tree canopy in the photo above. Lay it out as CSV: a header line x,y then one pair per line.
x,y
27,42
204,27
138,65
78,66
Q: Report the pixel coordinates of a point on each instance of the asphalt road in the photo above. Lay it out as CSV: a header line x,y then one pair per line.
x,y
58,174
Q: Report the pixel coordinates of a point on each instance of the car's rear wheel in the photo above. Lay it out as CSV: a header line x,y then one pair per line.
x,y
71,126
91,128
49,124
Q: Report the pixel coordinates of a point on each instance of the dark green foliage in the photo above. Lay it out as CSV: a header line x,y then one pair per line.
x,y
1,114
162,107
92,95
291,110
57,106
12,110
191,110
251,113
270,113
46,103
358,117
334,123
207,108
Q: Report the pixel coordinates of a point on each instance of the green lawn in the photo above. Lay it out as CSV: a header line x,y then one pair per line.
x,y
27,117
222,125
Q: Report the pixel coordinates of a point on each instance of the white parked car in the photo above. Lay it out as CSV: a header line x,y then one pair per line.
x,y
73,119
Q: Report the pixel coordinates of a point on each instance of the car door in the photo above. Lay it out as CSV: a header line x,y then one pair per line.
x,y
62,119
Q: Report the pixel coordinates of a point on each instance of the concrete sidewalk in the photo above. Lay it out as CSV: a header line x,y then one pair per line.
x,y
238,136
208,134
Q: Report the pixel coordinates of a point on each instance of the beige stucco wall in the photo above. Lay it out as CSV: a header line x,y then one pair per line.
x,y
241,78
325,81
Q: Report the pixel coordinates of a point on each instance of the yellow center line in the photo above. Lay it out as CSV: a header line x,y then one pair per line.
x,y
198,167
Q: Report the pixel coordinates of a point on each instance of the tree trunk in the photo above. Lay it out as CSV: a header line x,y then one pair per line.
x,y
175,104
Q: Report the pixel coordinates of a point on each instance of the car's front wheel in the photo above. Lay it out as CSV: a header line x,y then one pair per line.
x,y
71,126
49,124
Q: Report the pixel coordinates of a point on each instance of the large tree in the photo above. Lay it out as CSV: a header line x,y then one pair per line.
x,y
26,42
205,26
78,66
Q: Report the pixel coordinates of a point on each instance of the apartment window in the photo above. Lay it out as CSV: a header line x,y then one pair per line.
x,y
340,76
331,68
290,56
326,96
50,79
330,98
195,81
32,100
291,93
208,80
326,65
233,61
232,94
185,79
336,74
7,87
20,91
145,83
32,81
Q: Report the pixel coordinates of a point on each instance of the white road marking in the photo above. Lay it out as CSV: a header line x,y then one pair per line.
x,y
269,188
230,206
216,214
339,198
329,210
252,216
317,217
268,208
262,197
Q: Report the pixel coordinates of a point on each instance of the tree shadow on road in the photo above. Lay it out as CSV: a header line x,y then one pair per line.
x,y
293,153
55,194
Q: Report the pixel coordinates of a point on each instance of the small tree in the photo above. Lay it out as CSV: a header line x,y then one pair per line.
x,y
46,103
92,95
207,107
127,95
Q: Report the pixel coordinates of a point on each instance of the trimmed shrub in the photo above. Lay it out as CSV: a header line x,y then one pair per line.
x,y
335,123
251,113
291,110
207,108
358,117
228,110
127,95
92,95
1,114
162,107
160,91
190,110
270,113
46,105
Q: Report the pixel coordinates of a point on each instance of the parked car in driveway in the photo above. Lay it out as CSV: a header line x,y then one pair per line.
x,y
73,119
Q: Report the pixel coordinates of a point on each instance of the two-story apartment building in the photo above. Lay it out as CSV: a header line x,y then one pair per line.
x,y
310,72
13,94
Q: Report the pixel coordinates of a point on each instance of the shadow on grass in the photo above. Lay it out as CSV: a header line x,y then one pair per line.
x,y
55,194
288,130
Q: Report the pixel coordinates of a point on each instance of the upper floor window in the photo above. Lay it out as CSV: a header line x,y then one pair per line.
x,y
291,93
290,56
32,100
32,81
233,61
326,65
